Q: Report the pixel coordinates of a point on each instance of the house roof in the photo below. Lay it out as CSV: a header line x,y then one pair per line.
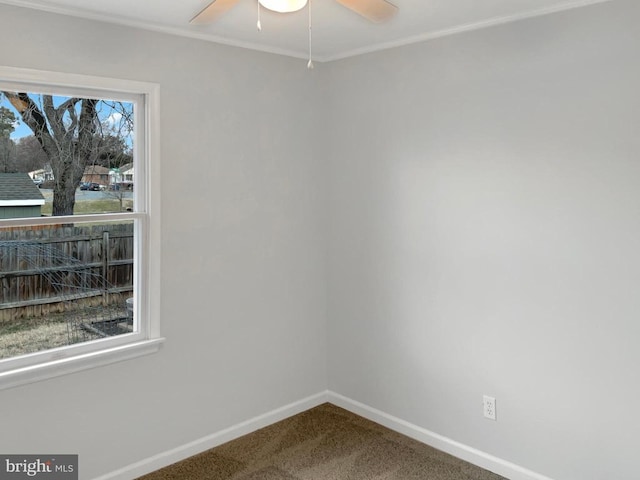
x,y
124,168
96,170
17,189
39,172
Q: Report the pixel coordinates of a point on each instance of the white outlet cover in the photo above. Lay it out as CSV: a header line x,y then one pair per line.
x,y
489,407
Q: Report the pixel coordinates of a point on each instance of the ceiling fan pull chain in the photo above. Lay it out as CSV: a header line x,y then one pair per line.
x,y
259,25
310,63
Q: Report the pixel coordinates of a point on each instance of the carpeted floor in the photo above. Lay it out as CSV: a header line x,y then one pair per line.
x,y
324,443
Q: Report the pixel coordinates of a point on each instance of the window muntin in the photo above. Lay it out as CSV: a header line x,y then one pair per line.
x,y
98,290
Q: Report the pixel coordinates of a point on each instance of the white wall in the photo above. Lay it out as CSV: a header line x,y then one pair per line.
x,y
485,216
243,296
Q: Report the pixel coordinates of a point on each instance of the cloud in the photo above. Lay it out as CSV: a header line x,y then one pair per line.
x,y
114,119
117,123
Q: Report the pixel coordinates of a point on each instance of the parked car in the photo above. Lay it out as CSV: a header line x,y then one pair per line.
x,y
91,186
38,182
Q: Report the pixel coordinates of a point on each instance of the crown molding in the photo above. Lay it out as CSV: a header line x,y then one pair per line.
x,y
423,37
492,22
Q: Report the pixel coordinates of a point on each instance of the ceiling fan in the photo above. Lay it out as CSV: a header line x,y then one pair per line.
x,y
376,11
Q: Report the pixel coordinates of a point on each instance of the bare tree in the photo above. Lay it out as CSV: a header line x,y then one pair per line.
x,y
29,154
66,134
119,193
7,147
111,151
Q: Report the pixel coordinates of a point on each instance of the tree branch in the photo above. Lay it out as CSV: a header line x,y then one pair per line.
x,y
34,118
86,131
54,117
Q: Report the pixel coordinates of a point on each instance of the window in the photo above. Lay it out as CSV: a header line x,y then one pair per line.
x,y
79,223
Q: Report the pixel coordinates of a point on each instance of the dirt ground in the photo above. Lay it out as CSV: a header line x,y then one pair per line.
x,y
35,335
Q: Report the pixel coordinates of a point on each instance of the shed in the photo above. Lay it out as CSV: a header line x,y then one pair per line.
x,y
19,196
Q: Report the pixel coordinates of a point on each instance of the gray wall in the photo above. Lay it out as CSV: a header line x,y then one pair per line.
x,y
480,193
243,298
485,217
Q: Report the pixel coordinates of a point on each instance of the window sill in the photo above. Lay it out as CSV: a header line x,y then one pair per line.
x,y
64,366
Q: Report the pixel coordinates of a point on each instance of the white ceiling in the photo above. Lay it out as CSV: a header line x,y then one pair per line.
x,y
337,32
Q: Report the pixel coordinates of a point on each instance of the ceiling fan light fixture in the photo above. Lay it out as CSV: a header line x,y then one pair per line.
x,y
283,6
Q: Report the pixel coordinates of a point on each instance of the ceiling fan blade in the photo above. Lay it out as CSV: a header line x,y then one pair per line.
x,y
212,12
376,11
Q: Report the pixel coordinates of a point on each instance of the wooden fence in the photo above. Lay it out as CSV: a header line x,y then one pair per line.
x,y
53,268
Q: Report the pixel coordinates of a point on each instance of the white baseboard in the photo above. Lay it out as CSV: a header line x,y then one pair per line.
x,y
457,449
182,452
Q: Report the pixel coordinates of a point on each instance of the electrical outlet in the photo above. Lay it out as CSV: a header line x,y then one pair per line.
x,y
489,404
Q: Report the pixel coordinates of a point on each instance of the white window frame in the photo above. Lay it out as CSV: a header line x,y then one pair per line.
x,y
146,337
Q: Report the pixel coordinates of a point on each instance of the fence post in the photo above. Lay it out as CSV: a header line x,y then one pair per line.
x,y
106,251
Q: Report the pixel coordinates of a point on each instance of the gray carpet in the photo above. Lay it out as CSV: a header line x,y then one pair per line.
x,y
324,443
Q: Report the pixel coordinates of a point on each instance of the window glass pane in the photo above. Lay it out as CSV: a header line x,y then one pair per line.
x,y
64,284
72,148
77,152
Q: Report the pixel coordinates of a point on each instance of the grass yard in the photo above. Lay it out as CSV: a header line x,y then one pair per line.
x,y
30,335
33,335
84,207
27,337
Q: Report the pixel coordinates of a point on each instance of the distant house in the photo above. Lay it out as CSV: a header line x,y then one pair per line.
x,y
44,174
127,172
96,174
19,196
121,177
